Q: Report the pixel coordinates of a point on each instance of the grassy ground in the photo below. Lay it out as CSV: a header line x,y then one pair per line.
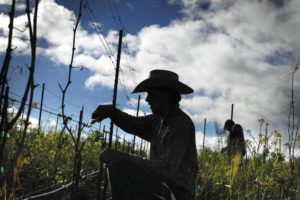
x,y
219,177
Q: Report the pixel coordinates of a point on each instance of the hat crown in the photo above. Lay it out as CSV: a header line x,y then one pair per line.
x,y
163,74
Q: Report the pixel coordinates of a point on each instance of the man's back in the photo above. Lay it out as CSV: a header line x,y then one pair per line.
x,y
174,146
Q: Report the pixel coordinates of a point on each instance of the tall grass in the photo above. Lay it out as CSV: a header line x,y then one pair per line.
x,y
219,177
237,178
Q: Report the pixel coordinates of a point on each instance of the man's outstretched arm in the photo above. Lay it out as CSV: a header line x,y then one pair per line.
x,y
140,126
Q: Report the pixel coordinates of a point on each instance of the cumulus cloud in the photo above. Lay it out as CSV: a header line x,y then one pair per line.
x,y
57,32
211,142
241,52
4,2
33,122
237,53
20,42
130,111
51,123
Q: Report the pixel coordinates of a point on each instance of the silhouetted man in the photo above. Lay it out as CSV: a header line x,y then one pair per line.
x,y
235,141
172,167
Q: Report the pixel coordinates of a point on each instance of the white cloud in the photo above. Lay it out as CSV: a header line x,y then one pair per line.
x,y
211,142
130,111
233,55
33,122
20,42
51,122
5,2
225,61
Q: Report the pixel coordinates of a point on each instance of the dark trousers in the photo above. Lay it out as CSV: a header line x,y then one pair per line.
x,y
129,182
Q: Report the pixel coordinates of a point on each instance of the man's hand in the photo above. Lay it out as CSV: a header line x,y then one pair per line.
x,y
111,156
102,112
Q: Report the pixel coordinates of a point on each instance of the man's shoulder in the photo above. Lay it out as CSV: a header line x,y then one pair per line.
x,y
180,116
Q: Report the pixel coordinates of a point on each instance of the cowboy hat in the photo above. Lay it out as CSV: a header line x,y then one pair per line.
x,y
163,79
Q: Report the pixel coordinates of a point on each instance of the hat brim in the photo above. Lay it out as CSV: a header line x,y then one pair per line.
x,y
149,83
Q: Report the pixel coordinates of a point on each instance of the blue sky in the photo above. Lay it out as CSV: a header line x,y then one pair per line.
x,y
240,52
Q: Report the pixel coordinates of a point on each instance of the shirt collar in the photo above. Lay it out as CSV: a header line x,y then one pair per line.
x,y
172,110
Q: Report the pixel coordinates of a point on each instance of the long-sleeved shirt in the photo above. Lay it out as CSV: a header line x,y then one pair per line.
x,y
173,155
